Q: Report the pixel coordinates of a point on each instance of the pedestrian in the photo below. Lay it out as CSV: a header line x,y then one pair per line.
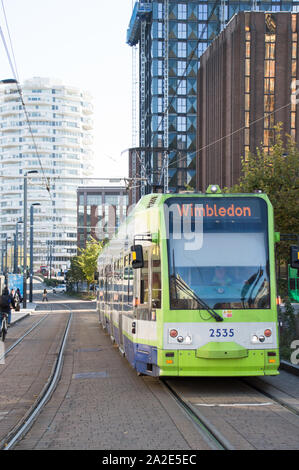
x,y
19,295
17,300
12,298
45,295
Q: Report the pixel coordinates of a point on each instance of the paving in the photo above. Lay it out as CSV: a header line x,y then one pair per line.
x,y
27,367
101,403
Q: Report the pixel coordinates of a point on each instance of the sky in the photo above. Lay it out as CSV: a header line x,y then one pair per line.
x,y
82,43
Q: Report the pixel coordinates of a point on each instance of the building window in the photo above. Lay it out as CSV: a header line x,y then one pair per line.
x,y
182,87
247,92
160,49
182,11
201,48
202,31
160,103
269,82
160,67
294,73
160,86
182,30
181,67
160,30
182,105
160,11
182,124
203,12
182,49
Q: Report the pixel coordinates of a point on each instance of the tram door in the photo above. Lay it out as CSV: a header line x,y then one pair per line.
x,y
126,295
147,290
142,288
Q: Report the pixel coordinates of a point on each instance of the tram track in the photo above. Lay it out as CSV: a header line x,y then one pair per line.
x,y
257,386
19,340
25,423
207,430
229,412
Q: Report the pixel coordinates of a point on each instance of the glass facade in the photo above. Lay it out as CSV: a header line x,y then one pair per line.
x,y
172,35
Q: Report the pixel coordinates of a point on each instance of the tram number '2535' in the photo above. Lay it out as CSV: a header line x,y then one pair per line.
x,y
221,332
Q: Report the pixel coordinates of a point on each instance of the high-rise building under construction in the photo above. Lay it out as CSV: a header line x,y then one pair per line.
x,y
168,38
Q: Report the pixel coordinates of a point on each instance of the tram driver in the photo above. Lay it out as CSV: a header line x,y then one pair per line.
x,y
221,277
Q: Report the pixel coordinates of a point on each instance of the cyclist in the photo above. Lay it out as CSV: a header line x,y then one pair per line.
x,y
6,304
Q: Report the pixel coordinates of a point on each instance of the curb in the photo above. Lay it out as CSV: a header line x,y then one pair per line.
x,y
13,322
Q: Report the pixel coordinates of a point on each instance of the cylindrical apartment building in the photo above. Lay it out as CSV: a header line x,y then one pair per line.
x,y
58,145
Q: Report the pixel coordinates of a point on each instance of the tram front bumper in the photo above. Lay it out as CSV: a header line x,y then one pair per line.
x,y
188,363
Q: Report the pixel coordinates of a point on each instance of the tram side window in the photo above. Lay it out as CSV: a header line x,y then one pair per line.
x,y
156,277
127,284
144,281
120,284
116,286
130,282
101,286
108,297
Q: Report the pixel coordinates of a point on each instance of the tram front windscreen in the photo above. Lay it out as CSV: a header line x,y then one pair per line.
x,y
218,252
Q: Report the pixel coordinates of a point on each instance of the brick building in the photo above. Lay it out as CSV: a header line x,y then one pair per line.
x,y
244,90
100,211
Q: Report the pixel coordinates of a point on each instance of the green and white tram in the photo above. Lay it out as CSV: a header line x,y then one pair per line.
x,y
187,286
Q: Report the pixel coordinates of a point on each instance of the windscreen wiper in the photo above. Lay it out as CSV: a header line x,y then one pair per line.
x,y
181,284
250,285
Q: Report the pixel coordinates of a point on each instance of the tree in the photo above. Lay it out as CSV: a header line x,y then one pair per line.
x,y
276,173
87,260
75,273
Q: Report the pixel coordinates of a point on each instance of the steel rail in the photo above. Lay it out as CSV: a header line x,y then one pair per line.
x,y
278,401
35,325
27,421
205,428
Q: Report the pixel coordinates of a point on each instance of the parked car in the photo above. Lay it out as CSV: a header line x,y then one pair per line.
x,y
59,289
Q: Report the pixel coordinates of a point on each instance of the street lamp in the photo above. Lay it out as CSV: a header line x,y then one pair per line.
x,y
31,248
25,238
9,81
16,257
8,239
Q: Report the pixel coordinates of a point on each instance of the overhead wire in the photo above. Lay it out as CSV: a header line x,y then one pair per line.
x,y
229,135
235,132
10,41
192,154
15,74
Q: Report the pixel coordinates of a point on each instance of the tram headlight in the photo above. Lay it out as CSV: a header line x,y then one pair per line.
x,y
180,339
255,339
173,333
214,188
262,338
188,339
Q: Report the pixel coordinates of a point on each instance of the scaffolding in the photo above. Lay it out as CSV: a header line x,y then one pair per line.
x,y
164,171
